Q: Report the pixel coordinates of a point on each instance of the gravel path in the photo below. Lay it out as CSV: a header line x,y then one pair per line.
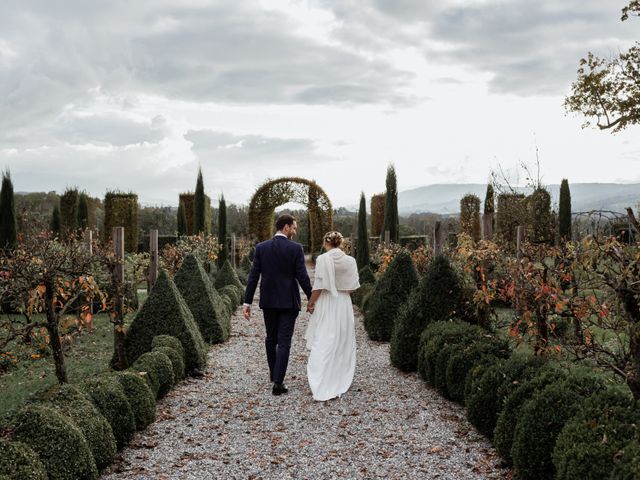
x,y
228,425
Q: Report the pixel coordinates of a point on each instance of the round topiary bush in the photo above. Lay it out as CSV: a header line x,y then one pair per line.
x,y
442,359
168,341
589,443
485,399
18,461
486,349
75,404
627,465
543,418
140,397
434,338
159,372
59,444
176,361
389,293
508,418
108,395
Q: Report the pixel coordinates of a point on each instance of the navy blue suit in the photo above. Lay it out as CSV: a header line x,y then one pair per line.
x,y
279,264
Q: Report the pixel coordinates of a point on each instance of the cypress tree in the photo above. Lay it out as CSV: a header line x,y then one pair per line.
x,y
69,212
470,216
489,200
362,252
391,220
222,231
182,219
54,226
199,206
564,215
8,225
83,211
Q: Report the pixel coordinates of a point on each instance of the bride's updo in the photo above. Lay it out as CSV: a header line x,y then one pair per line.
x,y
333,238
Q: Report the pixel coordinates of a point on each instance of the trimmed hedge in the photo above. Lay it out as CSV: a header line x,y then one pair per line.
x,y
508,418
18,461
59,444
208,310
159,372
168,341
228,304
228,276
436,298
234,293
177,361
487,393
166,313
358,296
627,465
589,443
72,402
366,275
389,293
434,337
486,349
442,359
542,419
108,395
139,396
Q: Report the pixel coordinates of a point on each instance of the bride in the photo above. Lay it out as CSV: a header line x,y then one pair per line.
x,y
331,333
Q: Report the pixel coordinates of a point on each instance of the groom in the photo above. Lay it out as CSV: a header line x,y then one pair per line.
x,y
280,264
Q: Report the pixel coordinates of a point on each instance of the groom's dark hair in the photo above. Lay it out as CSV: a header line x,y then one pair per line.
x,y
284,219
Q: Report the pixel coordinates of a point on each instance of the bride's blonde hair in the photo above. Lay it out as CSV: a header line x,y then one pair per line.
x,y
333,238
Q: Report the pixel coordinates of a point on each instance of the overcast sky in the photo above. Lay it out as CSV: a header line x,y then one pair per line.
x,y
135,95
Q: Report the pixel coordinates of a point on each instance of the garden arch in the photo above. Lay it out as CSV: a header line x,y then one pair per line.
x,y
290,189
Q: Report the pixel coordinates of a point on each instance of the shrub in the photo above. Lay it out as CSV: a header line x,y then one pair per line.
x,y
524,390
468,355
168,341
228,304
73,403
590,441
18,461
436,298
139,396
159,372
391,290
442,359
166,313
177,361
366,275
234,293
361,293
198,293
435,337
627,465
59,444
108,395
485,399
543,417
227,276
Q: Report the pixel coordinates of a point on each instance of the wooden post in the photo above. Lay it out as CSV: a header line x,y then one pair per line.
x,y
487,226
519,241
88,240
387,238
437,238
153,260
117,235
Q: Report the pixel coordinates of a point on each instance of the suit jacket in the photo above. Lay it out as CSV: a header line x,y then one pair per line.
x,y
279,262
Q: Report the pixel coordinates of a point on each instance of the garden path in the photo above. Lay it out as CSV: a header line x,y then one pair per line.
x,y
228,425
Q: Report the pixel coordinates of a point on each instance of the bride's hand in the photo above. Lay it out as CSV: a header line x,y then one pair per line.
x,y
311,307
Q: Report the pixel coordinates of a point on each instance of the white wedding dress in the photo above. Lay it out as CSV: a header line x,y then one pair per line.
x,y
331,332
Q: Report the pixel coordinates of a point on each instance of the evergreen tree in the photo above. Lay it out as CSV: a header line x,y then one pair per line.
x,y
54,226
565,210
8,225
470,216
83,211
69,212
182,219
489,200
362,251
222,231
391,219
199,206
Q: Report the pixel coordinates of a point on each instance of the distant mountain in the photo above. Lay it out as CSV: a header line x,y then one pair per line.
x,y
445,198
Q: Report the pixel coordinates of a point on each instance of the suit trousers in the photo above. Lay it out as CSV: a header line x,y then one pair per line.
x,y
279,324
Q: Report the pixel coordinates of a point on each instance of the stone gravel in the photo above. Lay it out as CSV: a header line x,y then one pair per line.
x,y
228,425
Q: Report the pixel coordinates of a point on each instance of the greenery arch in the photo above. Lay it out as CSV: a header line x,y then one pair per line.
x,y
290,189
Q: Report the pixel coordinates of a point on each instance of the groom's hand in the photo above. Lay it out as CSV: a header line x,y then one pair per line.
x,y
246,311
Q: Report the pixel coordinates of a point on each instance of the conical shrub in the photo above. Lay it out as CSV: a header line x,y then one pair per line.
x,y
228,276
206,306
390,292
166,313
437,298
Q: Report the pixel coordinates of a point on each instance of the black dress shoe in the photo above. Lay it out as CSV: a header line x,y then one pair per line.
x,y
279,389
